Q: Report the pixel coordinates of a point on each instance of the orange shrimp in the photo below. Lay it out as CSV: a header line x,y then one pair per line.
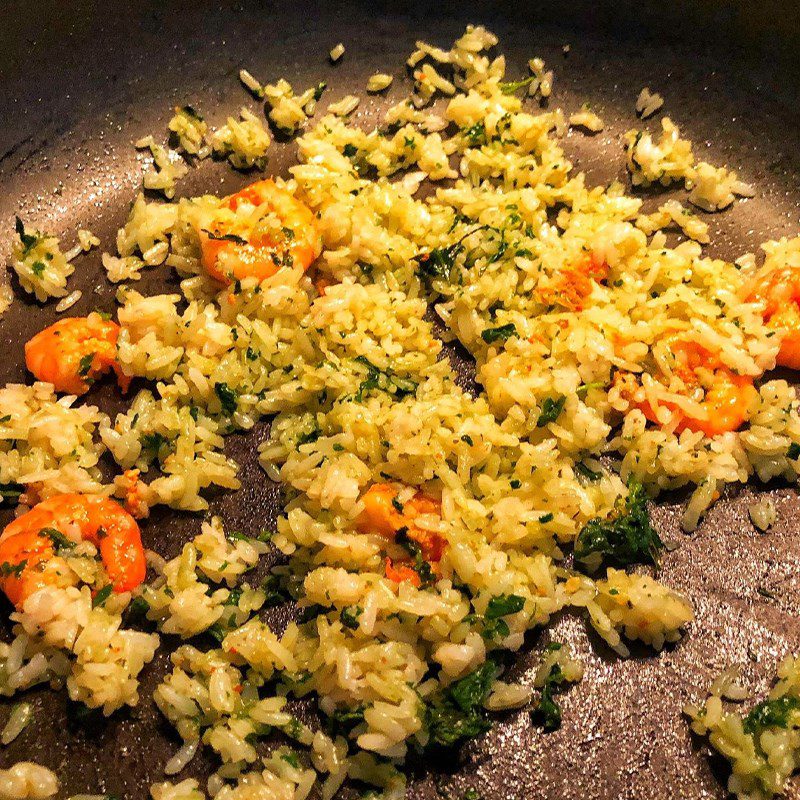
x,y
779,290
726,396
575,283
385,515
28,544
73,352
269,229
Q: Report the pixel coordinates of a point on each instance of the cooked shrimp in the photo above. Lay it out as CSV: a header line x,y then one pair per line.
x,y
28,544
723,396
779,290
268,229
574,284
385,515
73,352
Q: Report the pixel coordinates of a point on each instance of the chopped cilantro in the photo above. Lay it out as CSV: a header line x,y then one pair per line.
x,y
513,86
85,364
475,134
224,237
152,442
501,333
551,410
383,380
502,605
28,240
438,264
102,595
771,714
57,538
626,537
349,616
587,472
228,398
457,712
548,710
7,568
191,112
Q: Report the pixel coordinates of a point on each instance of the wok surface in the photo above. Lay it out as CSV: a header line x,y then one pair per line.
x,y
78,86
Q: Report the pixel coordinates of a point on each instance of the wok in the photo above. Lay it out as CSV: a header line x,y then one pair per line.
x,y
80,81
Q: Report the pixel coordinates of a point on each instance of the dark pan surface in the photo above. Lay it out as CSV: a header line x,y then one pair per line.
x,y
79,84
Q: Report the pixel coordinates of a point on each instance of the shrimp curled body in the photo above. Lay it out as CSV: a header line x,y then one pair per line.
x,y
73,352
28,544
384,515
722,397
779,290
256,232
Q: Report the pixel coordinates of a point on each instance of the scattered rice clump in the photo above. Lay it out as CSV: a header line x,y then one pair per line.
x,y
763,746
647,103
244,141
27,781
39,263
168,168
190,130
762,513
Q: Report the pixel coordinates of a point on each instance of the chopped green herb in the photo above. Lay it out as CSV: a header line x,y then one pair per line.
x,y
309,436
291,759
548,710
585,388
276,592
191,112
398,506
545,518
57,538
349,150
515,483
38,268
626,537
438,264
347,718
501,333
28,240
383,380
467,439
513,86
228,398
85,364
475,134
138,608
793,452
153,442
502,605
7,568
587,472
102,595
771,714
349,616
457,712
224,237
551,410
421,566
